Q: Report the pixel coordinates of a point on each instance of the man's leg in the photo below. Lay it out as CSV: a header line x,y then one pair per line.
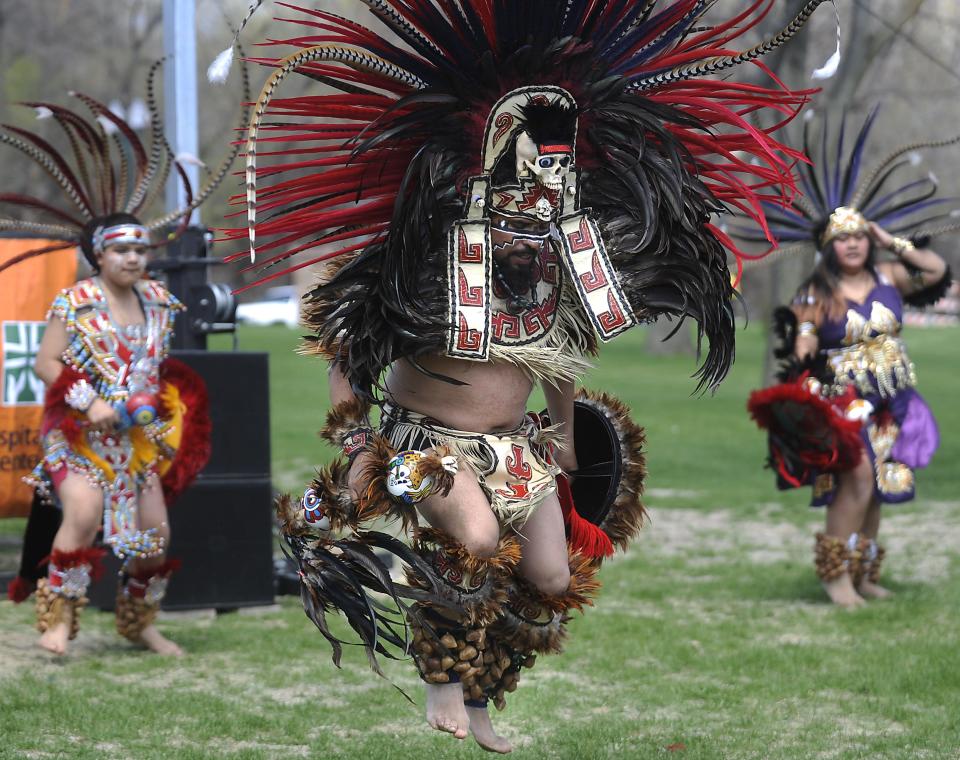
x,y
464,515
544,562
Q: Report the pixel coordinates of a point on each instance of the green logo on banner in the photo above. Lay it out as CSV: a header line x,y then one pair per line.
x,y
20,386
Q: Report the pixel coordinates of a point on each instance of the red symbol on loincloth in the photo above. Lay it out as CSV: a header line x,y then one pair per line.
x,y
516,466
516,491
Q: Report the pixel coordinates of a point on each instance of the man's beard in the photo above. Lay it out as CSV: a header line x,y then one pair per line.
x,y
517,274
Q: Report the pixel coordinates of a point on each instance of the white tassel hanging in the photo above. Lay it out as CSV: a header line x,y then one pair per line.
x,y
833,62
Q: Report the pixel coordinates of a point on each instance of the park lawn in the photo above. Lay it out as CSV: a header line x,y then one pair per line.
x,y
710,638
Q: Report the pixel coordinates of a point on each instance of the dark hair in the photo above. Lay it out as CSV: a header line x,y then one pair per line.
x,y
824,281
110,220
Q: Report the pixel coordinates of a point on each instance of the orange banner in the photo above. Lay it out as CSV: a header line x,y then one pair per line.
x,y
26,291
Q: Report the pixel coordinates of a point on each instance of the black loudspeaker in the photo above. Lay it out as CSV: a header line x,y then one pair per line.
x,y
222,532
221,527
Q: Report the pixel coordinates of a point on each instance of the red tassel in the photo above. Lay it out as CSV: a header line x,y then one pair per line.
x,y
19,589
589,539
165,569
91,556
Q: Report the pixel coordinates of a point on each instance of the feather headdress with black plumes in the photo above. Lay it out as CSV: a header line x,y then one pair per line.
x,y
376,168
886,193
105,170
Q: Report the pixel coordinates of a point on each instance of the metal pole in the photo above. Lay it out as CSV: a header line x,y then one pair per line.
x,y
180,93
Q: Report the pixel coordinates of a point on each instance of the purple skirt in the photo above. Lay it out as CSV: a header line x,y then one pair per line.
x,y
900,436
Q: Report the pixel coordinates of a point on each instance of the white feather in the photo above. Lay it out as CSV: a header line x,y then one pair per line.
x,y
219,70
829,68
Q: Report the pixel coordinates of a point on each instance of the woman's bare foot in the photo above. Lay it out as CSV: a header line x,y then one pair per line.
x,y
482,730
445,710
874,591
842,593
55,639
155,641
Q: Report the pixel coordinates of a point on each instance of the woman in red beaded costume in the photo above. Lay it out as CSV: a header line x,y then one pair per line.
x,y
125,428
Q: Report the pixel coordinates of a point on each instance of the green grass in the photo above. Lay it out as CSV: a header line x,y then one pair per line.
x,y
710,637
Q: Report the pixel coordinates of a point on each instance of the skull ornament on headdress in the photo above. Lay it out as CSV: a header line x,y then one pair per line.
x,y
529,153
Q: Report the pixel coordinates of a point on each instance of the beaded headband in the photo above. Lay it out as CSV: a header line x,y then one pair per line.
x,y
135,234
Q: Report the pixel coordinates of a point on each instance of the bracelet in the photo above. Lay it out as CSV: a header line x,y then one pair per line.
x,y
80,395
355,441
806,328
901,246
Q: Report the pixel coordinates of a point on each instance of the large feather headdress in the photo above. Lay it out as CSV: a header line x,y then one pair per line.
x,y
105,169
377,166
840,191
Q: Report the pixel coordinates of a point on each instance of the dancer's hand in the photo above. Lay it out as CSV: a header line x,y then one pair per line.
x,y
102,416
881,238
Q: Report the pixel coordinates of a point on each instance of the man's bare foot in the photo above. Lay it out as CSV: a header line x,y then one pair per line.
x,y
842,593
55,639
445,710
155,641
874,591
482,730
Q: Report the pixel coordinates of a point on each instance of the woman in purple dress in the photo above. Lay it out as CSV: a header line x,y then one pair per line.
x,y
846,418
850,311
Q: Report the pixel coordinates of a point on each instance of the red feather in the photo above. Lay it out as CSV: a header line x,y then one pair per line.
x,y
194,451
